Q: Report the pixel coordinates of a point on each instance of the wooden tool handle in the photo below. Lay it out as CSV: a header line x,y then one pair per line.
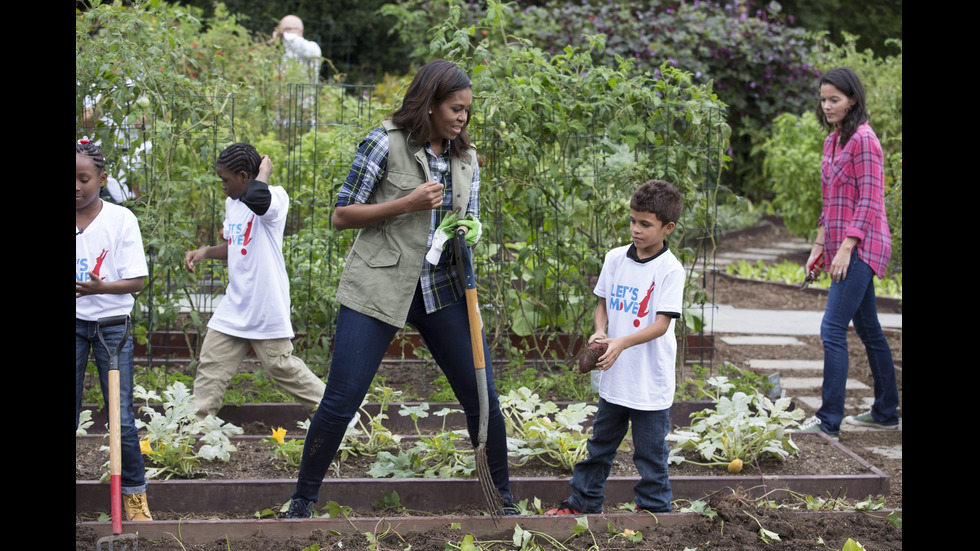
x,y
476,326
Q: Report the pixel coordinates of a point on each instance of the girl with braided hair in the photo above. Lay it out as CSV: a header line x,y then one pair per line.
x,y
255,309
109,268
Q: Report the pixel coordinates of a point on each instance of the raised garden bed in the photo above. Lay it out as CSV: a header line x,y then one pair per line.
x,y
670,531
836,471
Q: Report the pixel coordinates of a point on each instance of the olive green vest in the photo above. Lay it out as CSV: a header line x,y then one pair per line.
x,y
385,263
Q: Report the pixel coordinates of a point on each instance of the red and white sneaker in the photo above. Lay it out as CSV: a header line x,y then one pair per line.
x,y
563,509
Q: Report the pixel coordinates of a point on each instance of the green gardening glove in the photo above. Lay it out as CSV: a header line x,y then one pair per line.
x,y
448,224
445,230
475,229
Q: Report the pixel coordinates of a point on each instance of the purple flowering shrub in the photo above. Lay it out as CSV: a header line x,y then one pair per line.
x,y
758,62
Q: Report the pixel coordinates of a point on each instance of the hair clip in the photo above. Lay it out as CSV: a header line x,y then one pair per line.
x,y
84,140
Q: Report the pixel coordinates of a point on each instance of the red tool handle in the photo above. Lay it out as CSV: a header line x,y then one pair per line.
x,y
115,452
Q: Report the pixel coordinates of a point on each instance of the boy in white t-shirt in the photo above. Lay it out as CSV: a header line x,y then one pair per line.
x,y
255,309
640,292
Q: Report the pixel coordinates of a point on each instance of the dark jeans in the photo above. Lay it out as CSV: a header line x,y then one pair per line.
x,y
650,430
359,346
133,476
853,298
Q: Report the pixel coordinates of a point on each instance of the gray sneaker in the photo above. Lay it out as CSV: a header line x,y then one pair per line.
x,y
813,425
865,420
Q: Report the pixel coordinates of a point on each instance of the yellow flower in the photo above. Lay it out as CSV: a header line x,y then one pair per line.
x,y
628,532
279,435
145,447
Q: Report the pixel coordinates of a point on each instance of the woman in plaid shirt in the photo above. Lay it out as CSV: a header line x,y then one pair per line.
x,y
854,237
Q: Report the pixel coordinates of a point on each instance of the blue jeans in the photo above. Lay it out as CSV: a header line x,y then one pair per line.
x,y
359,346
650,430
853,298
133,476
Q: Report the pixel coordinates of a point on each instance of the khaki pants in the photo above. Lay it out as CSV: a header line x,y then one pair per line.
x,y
222,355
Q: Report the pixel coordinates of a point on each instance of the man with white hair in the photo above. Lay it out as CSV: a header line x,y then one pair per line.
x,y
298,49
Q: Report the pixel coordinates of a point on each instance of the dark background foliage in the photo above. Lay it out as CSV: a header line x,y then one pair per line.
x,y
350,32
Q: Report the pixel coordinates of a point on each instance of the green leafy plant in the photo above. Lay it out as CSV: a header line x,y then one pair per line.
x,y
737,379
699,507
792,273
526,539
370,437
632,536
84,422
434,455
374,538
171,436
739,429
768,536
160,377
558,381
895,519
288,454
443,392
254,388
389,501
792,169
541,430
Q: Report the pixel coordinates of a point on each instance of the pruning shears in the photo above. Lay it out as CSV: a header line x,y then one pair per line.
x,y
818,265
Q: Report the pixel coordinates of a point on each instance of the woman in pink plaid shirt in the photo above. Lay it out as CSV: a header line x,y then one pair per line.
x,y
854,237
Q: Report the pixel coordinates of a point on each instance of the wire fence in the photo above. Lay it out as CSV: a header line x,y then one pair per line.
x,y
548,222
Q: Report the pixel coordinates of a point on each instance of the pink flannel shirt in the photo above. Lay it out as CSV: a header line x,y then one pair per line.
x,y
853,186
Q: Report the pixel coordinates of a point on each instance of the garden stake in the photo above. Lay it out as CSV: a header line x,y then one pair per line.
x,y
115,441
464,268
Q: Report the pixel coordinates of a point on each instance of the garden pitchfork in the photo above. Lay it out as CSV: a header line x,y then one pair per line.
x,y
464,268
115,440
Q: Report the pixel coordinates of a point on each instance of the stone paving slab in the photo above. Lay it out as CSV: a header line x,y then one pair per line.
x,y
765,340
891,452
813,402
753,251
787,364
795,245
721,318
817,382
749,257
852,408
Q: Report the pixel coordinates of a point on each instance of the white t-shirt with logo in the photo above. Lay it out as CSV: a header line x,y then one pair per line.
x,y
256,302
111,246
636,291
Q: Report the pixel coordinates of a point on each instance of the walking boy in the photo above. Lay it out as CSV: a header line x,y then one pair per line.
x,y
640,292
255,309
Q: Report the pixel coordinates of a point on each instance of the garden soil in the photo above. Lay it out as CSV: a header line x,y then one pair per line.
x,y
742,519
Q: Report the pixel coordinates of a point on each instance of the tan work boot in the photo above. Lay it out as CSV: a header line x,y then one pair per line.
x,y
136,507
